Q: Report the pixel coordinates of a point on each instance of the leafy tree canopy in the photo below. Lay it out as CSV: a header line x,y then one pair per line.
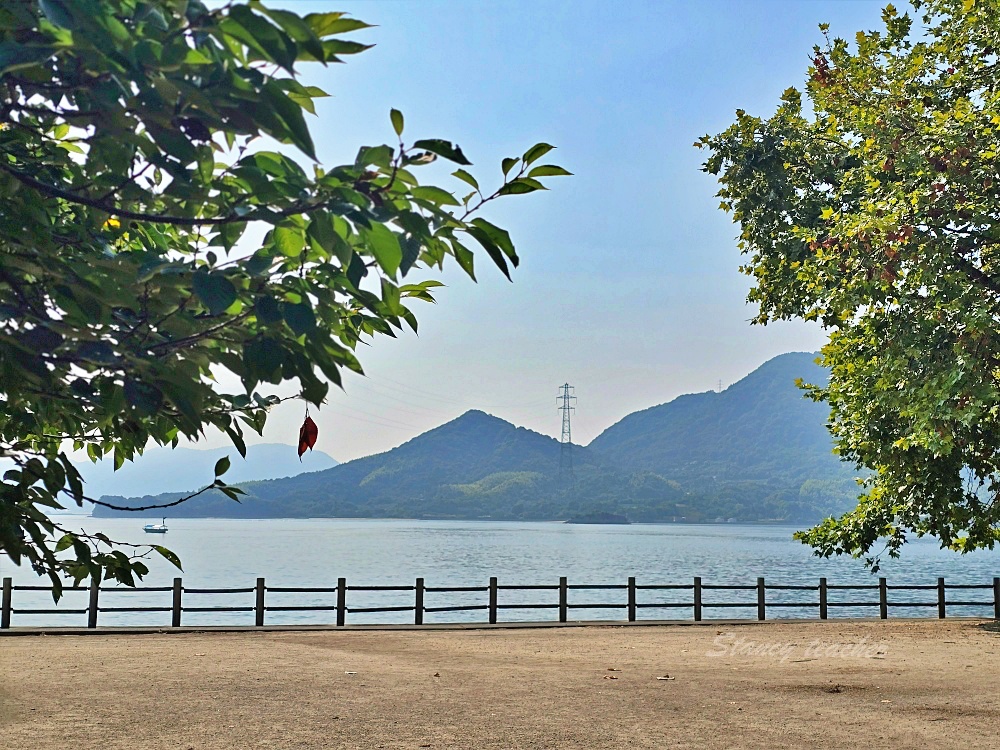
x,y
131,165
878,215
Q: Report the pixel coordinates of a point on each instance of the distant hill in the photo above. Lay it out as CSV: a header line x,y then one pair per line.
x,y
758,451
758,428
760,438
161,469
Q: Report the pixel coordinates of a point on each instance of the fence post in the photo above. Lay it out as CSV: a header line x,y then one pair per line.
x,y
996,598
631,599
822,599
175,612
259,605
95,590
941,598
563,599
697,599
418,604
883,599
760,599
8,591
341,601
493,601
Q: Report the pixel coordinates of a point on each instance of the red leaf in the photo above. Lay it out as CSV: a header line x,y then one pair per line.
x,y
307,436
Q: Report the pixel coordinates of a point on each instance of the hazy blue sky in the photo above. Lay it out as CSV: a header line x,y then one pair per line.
x,y
629,286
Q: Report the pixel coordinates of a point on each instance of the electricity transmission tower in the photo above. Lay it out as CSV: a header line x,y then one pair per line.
x,y
566,441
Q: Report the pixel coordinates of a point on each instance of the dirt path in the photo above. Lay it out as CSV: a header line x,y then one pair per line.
x,y
822,685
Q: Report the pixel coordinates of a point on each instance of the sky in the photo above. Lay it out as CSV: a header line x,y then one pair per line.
x,y
629,286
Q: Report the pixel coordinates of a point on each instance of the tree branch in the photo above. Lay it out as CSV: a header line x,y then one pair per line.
x,y
103,205
112,506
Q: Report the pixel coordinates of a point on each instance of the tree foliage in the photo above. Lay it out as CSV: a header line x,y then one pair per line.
x,y
878,215
137,147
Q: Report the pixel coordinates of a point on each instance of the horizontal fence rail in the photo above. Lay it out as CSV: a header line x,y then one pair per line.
x,y
702,596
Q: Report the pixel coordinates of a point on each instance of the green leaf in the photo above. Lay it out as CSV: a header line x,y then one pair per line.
x,y
397,121
215,291
258,264
195,57
491,248
291,115
391,297
508,164
411,252
145,398
466,178
435,195
14,56
233,493
168,556
549,170
443,149
264,358
322,233
98,352
536,152
300,317
380,156
297,28
465,258
384,246
222,466
356,270
327,24
260,35
237,439
520,186
267,311
57,13
498,236
289,241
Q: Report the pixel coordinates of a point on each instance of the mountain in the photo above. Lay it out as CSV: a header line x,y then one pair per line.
x,y
757,451
162,469
760,438
758,428
476,466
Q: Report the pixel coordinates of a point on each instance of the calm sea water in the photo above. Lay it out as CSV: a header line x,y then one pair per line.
x,y
315,552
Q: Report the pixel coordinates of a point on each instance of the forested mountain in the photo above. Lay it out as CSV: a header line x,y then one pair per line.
x,y
759,428
759,439
757,451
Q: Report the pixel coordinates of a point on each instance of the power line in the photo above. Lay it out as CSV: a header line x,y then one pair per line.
x,y
383,421
376,381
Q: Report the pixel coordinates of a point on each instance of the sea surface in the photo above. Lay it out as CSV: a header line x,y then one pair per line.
x,y
229,553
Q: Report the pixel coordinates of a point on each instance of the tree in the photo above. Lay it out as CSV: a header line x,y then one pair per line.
x,y
878,215
131,166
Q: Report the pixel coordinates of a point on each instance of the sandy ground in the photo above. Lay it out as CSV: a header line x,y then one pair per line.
x,y
818,685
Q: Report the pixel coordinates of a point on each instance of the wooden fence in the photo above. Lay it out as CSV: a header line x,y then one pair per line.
x,y
629,602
